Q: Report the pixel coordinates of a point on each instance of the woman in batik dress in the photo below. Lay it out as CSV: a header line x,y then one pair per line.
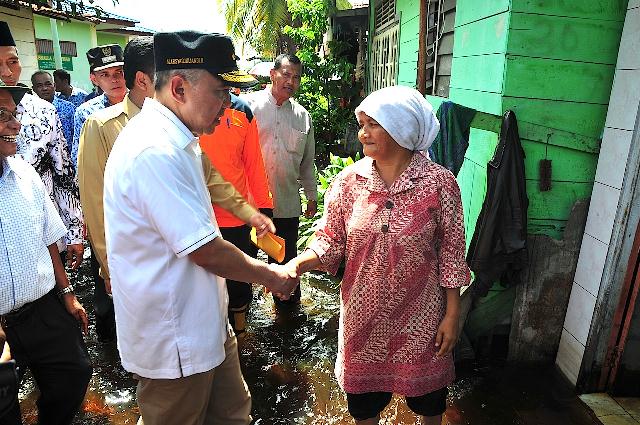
x,y
395,218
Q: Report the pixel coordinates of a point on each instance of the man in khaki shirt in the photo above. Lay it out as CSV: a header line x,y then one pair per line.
x,y
98,135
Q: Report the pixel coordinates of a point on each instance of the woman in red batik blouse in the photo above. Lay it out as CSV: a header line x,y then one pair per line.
x,y
395,217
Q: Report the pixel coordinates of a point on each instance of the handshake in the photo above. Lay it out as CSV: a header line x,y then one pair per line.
x,y
284,279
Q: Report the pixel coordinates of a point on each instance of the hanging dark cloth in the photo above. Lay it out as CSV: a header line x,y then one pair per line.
x,y
498,248
450,146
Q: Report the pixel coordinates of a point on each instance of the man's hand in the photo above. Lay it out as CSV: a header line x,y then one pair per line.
x,y
262,223
284,281
75,309
74,255
312,208
447,335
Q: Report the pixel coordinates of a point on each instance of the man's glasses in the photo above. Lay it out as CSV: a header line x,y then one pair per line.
x,y
6,115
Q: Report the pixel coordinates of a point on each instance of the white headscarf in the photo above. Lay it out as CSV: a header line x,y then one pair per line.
x,y
405,114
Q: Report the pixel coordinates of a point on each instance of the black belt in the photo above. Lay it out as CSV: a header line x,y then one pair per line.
x,y
15,317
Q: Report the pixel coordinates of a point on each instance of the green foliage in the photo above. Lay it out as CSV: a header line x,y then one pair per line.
x,y
308,226
327,82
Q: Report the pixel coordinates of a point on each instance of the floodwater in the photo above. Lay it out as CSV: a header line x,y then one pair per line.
x,y
288,362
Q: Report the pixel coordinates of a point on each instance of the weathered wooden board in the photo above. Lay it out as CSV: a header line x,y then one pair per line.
x,y
477,99
444,65
556,203
481,37
581,118
571,39
442,85
610,10
473,10
552,228
555,79
445,46
542,297
568,165
483,73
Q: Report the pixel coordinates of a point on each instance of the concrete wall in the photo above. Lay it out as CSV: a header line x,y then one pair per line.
x,y
620,121
21,25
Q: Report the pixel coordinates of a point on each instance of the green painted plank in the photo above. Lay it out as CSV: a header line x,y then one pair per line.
x,y
483,72
568,165
435,101
581,118
474,10
611,10
482,37
477,99
555,204
555,37
558,80
482,145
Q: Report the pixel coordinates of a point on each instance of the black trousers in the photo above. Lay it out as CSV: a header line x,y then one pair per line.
x,y
240,293
287,229
48,341
102,304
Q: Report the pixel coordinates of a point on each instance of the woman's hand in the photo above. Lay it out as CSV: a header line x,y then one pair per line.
x,y
447,335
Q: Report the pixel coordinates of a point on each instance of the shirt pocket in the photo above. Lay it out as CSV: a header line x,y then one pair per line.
x,y
296,141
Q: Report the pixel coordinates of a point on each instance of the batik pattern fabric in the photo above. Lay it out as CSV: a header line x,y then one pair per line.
x,y
403,246
65,111
81,115
42,144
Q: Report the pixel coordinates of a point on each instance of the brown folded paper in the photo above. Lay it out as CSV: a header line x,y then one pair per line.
x,y
271,244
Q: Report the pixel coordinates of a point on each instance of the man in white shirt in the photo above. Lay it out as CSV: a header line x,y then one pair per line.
x,y
42,331
42,144
164,249
286,137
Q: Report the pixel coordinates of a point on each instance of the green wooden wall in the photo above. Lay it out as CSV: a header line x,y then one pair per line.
x,y
552,62
80,33
70,31
110,38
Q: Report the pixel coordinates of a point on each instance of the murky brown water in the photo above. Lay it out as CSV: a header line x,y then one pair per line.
x,y
288,364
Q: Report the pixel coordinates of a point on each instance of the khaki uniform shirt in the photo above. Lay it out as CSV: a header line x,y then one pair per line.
x,y
98,135
288,148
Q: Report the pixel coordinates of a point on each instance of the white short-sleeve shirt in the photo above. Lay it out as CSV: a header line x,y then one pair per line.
x,y
171,314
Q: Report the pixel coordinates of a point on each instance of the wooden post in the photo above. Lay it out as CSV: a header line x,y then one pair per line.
x,y
422,48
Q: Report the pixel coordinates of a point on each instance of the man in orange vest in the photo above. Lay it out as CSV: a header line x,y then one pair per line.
x,y
234,151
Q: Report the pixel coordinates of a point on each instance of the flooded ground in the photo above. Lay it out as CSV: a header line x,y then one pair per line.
x,y
288,364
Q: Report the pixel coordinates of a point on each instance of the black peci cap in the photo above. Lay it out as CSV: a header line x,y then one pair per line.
x,y
196,50
103,57
17,92
6,39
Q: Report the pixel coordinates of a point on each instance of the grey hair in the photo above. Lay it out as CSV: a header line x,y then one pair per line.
x,y
191,75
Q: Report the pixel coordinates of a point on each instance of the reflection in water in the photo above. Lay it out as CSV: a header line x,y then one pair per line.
x,y
287,361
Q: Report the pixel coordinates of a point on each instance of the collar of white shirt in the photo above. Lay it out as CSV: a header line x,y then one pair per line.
x,y
179,134
273,99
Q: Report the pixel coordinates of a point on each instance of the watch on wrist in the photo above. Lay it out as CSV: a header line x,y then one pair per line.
x,y
66,290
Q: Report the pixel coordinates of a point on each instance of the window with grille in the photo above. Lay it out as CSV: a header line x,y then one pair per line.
x,y
384,58
44,46
385,13
440,26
